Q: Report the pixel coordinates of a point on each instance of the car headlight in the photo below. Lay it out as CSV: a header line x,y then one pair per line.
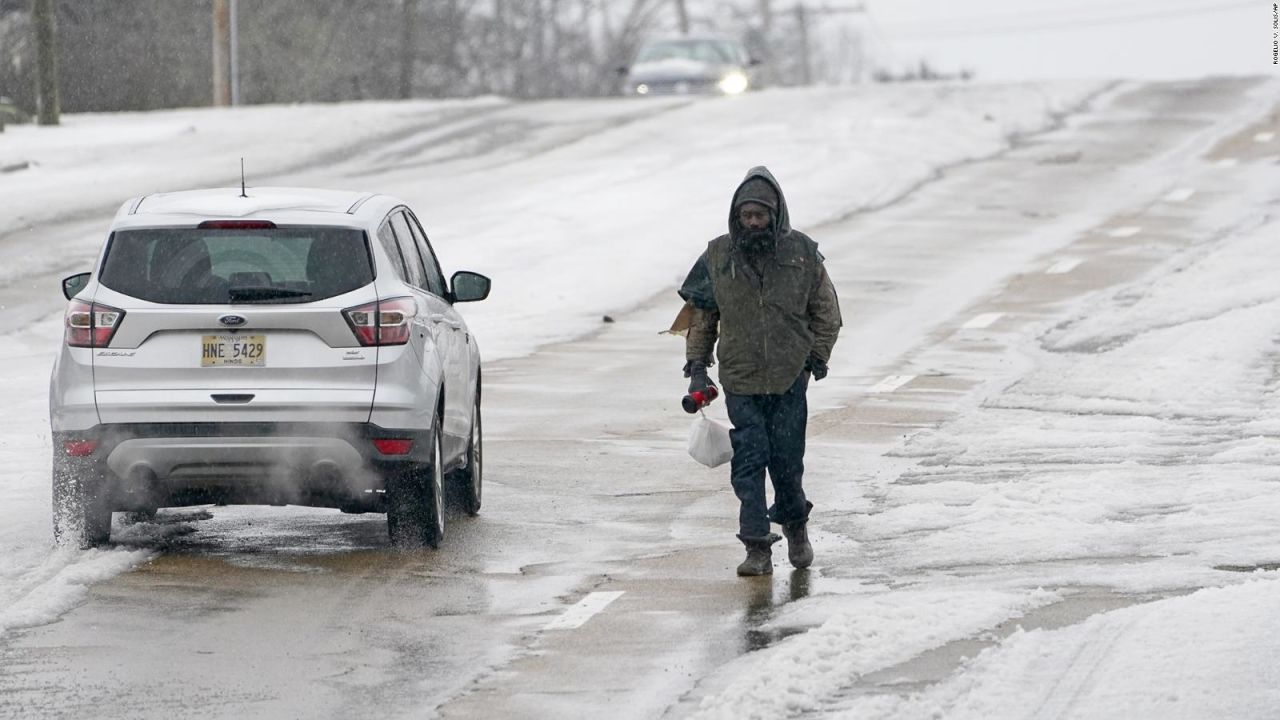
x,y
642,89
733,83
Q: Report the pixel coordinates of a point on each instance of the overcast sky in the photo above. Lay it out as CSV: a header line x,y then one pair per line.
x,y
1012,39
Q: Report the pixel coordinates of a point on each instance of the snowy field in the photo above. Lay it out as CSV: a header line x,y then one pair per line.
x,y
1134,439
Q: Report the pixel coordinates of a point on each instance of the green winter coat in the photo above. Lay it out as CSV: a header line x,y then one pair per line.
x,y
768,322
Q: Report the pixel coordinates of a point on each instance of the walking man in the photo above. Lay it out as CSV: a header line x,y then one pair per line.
x,y
763,293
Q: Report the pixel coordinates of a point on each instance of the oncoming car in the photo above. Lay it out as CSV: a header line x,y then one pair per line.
x,y
710,64
267,346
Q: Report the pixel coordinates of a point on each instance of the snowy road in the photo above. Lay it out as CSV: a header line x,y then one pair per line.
x,y
1049,444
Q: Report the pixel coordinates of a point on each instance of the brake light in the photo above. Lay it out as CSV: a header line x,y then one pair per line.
x,y
91,324
382,322
236,225
393,446
80,448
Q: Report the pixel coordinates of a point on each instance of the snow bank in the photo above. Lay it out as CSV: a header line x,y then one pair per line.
x,y
869,633
1209,654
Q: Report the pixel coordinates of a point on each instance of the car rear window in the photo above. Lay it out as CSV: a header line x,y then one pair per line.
x,y
186,266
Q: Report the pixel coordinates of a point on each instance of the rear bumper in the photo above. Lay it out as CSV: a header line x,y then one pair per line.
x,y
317,464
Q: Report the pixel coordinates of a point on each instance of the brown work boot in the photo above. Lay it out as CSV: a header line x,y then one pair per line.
x,y
759,556
799,551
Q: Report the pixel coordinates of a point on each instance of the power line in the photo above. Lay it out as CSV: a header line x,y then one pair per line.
x,y
880,35
1067,12
1050,26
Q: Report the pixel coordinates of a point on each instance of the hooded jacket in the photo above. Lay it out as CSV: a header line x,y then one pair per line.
x,y
769,309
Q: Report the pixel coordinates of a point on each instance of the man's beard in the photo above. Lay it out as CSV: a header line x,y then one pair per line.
x,y
757,240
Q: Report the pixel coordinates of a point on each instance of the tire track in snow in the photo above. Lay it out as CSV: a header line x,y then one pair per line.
x,y
1081,672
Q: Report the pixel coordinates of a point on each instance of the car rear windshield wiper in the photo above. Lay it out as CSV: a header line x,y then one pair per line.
x,y
264,292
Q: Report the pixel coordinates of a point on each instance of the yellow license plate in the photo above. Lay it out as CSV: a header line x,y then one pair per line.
x,y
233,350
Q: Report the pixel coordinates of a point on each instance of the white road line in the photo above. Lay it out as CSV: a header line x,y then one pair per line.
x,y
578,615
1063,266
1264,137
1180,195
1124,232
891,383
985,320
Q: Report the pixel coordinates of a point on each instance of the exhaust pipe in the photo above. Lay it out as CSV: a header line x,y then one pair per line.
x,y
325,476
141,490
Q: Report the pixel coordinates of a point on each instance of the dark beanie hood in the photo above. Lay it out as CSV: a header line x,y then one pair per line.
x,y
756,190
759,186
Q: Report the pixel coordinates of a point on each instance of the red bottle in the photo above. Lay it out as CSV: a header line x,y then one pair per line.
x,y
695,401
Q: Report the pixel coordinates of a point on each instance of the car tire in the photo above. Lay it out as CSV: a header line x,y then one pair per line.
x,y
466,485
415,501
81,515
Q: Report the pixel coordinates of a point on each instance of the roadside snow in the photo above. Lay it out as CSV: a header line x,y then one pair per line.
x,y
868,633
1154,437
1209,654
37,582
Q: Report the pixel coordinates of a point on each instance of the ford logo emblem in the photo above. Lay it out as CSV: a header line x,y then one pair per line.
x,y
232,320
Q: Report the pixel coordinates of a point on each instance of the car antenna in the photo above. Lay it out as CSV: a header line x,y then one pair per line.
x,y
242,192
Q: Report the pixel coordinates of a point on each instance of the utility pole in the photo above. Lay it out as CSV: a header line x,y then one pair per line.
x,y
802,24
802,30
766,18
221,53
44,22
682,14
235,52
763,49
408,50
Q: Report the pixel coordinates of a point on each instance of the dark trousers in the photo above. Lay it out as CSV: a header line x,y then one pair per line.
x,y
768,433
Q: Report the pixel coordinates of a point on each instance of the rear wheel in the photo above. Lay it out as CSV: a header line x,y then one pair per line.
x,y
415,501
466,484
81,515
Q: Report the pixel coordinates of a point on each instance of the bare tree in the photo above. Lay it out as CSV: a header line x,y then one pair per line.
x,y
44,22
408,47
144,54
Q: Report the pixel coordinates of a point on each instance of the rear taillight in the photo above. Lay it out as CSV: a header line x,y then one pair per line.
x,y
91,324
393,446
80,448
383,322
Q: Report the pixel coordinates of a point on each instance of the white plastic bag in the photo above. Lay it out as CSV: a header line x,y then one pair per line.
x,y
709,441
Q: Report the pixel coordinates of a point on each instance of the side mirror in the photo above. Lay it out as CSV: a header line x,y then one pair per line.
x,y
74,284
754,62
466,286
622,69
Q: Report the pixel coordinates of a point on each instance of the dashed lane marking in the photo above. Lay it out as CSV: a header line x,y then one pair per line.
x,y
891,383
985,320
587,607
1180,195
1063,266
1264,137
1124,232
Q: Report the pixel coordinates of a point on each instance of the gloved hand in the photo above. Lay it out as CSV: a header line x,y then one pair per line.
x,y
816,366
696,371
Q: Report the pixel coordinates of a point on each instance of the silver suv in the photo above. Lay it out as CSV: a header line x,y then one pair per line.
x,y
275,346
